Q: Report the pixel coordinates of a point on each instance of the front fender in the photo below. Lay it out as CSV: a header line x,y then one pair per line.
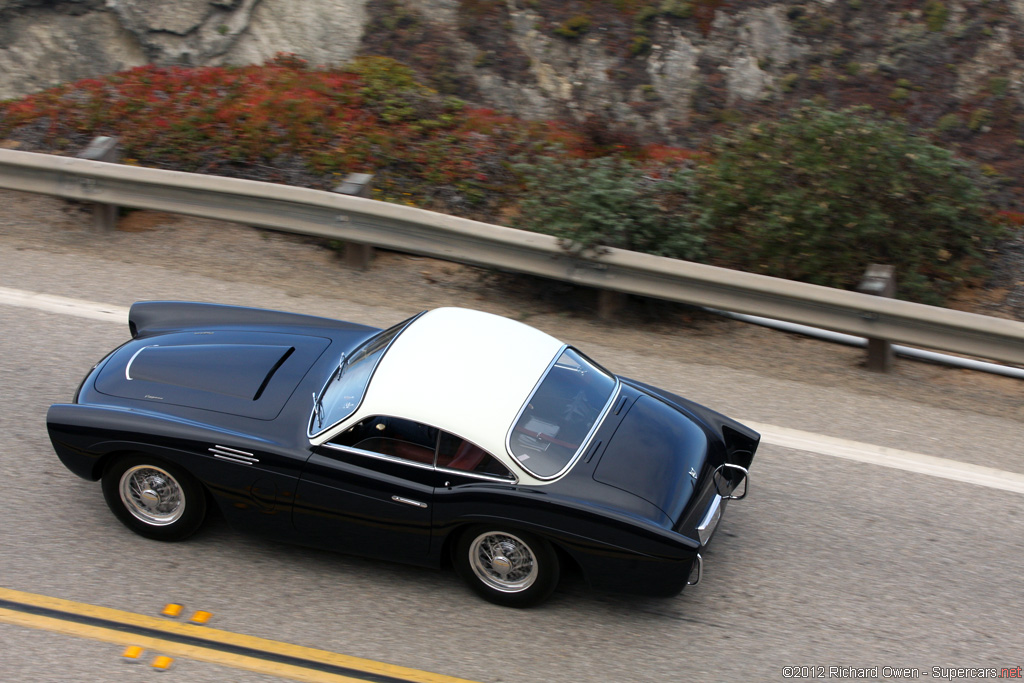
x,y
83,435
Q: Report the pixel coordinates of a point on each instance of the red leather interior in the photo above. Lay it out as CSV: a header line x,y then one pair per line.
x,y
467,458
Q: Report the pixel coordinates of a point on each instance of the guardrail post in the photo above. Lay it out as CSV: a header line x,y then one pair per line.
x,y
103,148
357,255
610,303
879,281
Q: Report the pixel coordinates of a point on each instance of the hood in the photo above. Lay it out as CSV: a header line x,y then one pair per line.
x,y
652,454
245,373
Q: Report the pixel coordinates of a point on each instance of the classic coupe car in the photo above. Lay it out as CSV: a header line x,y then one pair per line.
x,y
454,436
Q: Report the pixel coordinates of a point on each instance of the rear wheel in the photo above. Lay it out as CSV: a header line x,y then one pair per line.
x,y
153,498
515,569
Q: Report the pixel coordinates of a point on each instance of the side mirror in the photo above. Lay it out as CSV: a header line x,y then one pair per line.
x,y
729,479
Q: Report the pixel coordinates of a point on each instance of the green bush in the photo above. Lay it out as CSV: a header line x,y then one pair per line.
x,y
947,123
997,86
789,81
979,118
680,9
935,14
641,45
574,27
610,202
390,89
820,195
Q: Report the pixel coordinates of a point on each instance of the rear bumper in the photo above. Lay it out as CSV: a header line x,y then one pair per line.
x,y
696,571
646,576
708,523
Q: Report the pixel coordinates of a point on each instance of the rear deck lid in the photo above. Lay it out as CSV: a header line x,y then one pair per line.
x,y
657,454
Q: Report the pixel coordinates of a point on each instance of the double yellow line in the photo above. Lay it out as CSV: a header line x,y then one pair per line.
x,y
201,643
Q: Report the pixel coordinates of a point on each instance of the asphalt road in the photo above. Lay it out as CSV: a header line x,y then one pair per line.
x,y
829,562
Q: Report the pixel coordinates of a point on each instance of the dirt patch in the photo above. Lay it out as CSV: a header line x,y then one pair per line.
x,y
145,221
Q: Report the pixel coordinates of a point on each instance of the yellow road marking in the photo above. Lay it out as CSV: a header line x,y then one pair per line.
x,y
200,617
205,654
172,610
132,652
201,654
162,662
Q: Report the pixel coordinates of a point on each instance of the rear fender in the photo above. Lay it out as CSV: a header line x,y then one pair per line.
x,y
740,440
613,550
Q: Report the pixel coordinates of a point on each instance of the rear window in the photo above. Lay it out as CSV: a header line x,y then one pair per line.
x,y
561,415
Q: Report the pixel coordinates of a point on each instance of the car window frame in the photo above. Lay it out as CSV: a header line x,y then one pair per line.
x,y
585,442
513,478
403,325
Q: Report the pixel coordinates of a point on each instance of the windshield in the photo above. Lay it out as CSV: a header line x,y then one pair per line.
x,y
561,415
347,384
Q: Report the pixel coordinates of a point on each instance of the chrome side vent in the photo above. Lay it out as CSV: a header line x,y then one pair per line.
x,y
233,455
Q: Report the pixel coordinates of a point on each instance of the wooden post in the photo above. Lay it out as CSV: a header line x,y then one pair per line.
x,y
879,281
610,304
103,148
357,255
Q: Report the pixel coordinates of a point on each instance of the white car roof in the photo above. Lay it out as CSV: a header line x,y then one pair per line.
x,y
464,371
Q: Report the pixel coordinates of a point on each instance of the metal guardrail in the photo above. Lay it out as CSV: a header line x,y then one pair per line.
x,y
403,228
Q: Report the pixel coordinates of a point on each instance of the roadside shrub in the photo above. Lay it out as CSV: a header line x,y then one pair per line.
x,y
819,195
680,9
936,14
610,202
574,27
286,121
947,123
390,89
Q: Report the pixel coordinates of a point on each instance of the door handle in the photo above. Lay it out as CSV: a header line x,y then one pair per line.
x,y
408,501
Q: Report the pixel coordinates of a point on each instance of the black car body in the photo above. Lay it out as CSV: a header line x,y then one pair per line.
x,y
338,435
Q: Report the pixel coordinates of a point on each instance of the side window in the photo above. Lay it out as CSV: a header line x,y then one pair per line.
x,y
392,436
456,453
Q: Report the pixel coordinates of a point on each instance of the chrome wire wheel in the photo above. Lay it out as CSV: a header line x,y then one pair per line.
x,y
503,561
152,495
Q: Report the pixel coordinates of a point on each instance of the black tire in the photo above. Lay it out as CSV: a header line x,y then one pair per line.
x,y
154,498
510,568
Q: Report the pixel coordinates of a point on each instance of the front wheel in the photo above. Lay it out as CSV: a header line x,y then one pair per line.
x,y
514,569
153,498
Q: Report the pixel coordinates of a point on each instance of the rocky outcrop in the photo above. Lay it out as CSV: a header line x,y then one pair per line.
x,y
684,66
40,47
740,60
43,42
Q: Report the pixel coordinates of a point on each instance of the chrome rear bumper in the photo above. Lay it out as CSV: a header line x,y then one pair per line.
x,y
699,564
711,518
726,486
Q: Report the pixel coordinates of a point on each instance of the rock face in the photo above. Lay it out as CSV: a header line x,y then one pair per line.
x,y
672,72
44,42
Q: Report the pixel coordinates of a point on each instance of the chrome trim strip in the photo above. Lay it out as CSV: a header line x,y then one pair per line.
x,y
128,368
309,432
408,501
479,475
233,455
228,449
525,404
711,519
378,456
237,461
700,571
